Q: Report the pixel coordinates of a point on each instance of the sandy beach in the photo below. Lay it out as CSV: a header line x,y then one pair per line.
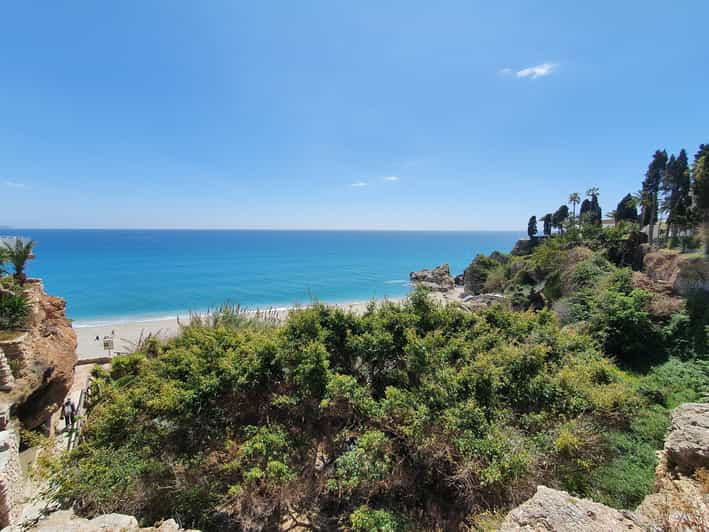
x,y
125,334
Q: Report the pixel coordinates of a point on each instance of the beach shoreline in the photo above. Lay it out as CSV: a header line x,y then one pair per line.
x,y
126,333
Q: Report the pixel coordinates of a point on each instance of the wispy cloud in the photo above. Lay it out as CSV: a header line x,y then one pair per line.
x,y
13,184
533,72
391,178
358,184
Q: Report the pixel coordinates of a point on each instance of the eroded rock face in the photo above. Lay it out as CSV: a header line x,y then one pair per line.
x,y
684,274
438,279
663,303
45,356
10,470
556,510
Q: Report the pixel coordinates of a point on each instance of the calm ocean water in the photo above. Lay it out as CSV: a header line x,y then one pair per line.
x,y
108,275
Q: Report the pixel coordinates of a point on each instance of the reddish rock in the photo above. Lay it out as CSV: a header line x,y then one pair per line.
x,y
45,356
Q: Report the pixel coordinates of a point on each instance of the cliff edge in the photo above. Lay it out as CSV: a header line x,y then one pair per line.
x,y
41,359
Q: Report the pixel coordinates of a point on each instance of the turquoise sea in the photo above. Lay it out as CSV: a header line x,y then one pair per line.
x,y
112,275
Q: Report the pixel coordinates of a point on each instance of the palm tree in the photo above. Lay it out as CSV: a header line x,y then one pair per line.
x,y
574,199
593,192
18,255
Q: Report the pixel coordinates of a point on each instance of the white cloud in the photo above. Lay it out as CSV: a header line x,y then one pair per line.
x,y
536,71
12,184
359,184
506,71
391,178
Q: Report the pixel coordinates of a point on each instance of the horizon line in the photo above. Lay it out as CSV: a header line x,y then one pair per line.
x,y
14,228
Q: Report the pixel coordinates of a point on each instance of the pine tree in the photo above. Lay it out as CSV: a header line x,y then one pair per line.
x,y
651,186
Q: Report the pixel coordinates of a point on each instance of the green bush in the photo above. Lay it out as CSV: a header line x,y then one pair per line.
x,y
407,406
364,519
14,311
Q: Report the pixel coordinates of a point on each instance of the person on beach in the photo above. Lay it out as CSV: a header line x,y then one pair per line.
x,y
69,413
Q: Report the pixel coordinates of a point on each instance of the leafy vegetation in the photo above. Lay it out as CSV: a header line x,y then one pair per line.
x,y
360,422
14,307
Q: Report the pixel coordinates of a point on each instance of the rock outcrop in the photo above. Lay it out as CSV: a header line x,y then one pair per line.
x,y
525,246
43,357
556,510
438,279
685,274
66,521
680,501
663,304
687,445
10,471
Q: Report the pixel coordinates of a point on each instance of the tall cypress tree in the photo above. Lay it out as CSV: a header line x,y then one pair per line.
x,y
559,217
585,211
700,190
676,188
626,209
547,219
532,227
651,187
594,210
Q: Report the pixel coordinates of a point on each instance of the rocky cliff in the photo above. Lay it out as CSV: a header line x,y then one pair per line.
x,y
680,501
684,273
41,359
36,373
10,470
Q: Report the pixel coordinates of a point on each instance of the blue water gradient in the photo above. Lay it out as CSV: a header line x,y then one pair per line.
x,y
109,275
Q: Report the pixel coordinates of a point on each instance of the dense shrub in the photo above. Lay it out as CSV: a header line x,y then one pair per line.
x,y
14,310
343,420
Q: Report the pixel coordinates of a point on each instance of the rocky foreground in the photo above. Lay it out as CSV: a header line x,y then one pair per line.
x,y
680,501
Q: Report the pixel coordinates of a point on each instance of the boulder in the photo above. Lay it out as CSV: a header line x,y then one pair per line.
x,y
67,521
438,279
551,509
687,445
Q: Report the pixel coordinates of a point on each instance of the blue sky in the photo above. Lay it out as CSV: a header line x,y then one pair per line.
x,y
333,114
